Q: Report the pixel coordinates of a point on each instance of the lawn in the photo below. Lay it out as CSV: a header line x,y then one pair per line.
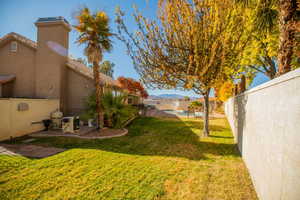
x,y
158,159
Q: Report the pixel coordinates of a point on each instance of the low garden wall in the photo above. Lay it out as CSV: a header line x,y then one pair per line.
x,y
266,125
17,115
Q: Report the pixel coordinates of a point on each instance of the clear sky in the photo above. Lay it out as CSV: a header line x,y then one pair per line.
x,y
19,16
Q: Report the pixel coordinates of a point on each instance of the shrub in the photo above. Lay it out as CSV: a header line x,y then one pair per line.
x,y
112,106
116,112
90,106
196,105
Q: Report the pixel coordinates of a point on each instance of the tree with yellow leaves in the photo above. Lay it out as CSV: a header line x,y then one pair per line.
x,y
192,46
277,14
225,91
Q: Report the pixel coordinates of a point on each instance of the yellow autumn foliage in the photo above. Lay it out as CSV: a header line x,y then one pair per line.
x,y
226,91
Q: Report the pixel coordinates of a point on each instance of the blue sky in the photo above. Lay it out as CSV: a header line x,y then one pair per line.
x,y
19,16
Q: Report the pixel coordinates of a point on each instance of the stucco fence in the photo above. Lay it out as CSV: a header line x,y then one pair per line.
x,y
265,121
17,115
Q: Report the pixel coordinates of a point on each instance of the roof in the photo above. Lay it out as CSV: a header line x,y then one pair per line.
x,y
20,38
73,64
88,72
6,78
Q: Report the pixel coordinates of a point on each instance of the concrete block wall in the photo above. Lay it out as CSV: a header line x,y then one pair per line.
x,y
265,121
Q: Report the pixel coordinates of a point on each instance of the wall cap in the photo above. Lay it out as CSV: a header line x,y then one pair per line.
x,y
28,99
49,21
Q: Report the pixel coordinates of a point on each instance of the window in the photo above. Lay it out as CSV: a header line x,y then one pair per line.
x,y
13,46
129,101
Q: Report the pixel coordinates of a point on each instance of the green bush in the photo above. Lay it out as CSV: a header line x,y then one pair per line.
x,y
85,117
90,107
112,106
116,112
196,105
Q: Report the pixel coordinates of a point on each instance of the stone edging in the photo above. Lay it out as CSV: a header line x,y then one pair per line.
x,y
125,131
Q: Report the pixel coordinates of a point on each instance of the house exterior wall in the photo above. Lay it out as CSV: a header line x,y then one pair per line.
x,y
15,123
21,64
7,90
79,88
51,57
41,69
266,125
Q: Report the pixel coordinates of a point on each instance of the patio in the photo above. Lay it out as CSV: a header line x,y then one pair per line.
x,y
83,133
28,150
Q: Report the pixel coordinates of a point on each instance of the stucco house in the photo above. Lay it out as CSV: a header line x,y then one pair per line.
x,y
43,69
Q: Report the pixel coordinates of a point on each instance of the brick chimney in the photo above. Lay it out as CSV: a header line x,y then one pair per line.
x,y
51,57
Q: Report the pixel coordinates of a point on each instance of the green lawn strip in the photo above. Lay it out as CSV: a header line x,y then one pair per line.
x,y
158,159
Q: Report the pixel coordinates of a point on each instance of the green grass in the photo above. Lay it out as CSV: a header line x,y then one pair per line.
x,y
158,159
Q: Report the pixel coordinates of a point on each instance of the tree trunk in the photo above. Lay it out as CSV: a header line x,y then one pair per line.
x,y
287,10
98,94
206,114
271,72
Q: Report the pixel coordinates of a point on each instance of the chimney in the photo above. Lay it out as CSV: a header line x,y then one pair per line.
x,y
51,57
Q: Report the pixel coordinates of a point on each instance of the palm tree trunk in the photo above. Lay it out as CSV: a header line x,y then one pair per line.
x,y
286,38
271,72
98,94
206,114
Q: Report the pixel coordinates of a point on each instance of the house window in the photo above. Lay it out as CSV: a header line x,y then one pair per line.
x,y
130,101
13,46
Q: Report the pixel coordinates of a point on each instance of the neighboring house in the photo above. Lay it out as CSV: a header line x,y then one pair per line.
x,y
43,69
177,104
168,104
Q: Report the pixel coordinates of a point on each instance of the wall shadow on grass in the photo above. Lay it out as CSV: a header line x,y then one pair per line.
x,y
158,137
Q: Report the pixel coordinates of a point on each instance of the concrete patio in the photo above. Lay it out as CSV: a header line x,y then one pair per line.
x,y
28,150
83,133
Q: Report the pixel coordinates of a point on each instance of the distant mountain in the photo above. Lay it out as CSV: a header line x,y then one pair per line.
x,y
168,96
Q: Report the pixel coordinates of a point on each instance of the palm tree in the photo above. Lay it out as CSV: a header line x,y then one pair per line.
x,y
95,34
287,14
268,13
107,68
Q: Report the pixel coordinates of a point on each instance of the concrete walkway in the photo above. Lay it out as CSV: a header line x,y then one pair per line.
x,y
103,134
28,150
